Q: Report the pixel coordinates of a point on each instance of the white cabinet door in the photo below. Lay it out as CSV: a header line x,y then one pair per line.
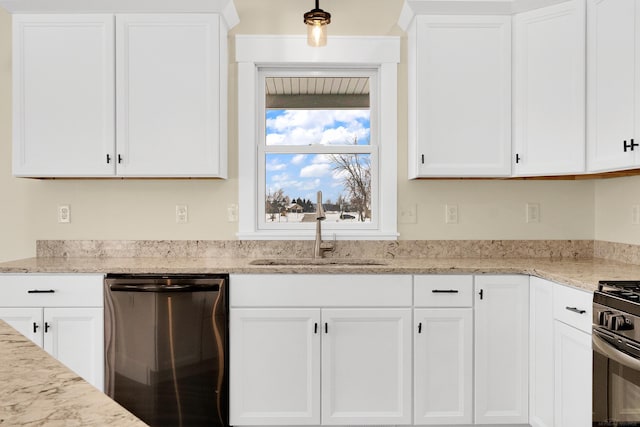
x,y
366,366
501,349
168,95
27,321
549,90
612,92
74,336
573,373
63,99
443,366
275,366
460,96
541,377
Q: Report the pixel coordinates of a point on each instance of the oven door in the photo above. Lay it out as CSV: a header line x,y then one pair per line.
x,y
616,380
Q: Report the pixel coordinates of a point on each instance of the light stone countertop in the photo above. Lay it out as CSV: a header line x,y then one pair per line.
x,y
580,273
37,390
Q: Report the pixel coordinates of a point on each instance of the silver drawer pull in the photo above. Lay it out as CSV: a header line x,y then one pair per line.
x,y
576,310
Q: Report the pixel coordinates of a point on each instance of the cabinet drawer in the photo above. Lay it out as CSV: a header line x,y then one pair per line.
x,y
573,307
51,290
319,290
443,291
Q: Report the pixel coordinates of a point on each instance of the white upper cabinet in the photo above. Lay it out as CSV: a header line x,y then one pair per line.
x,y
162,113
63,98
168,95
612,84
459,96
549,90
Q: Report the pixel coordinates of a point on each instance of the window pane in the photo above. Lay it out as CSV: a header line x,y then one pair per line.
x,y
292,181
317,127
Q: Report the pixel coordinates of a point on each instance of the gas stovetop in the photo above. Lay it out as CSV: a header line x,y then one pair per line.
x,y
616,307
628,290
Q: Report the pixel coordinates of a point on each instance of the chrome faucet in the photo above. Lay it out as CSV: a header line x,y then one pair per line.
x,y
320,248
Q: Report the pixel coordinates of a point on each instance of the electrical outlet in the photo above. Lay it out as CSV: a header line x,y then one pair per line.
x,y
635,214
232,212
182,214
64,214
408,215
451,214
533,212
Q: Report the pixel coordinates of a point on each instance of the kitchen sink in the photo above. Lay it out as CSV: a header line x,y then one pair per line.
x,y
316,261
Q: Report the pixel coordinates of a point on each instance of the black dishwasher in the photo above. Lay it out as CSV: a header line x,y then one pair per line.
x,y
166,347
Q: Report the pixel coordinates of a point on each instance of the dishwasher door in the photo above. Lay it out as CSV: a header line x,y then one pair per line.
x,y
166,347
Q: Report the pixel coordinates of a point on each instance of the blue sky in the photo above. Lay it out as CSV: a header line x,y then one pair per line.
x,y
302,175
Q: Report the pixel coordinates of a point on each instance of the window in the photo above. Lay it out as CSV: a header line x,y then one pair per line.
x,y
310,124
317,136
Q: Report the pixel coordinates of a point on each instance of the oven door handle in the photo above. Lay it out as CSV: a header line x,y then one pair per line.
x,y
613,353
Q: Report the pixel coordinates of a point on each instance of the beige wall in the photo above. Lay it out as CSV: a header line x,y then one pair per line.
x,y
144,209
613,207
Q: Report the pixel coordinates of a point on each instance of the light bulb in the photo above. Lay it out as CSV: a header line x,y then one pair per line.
x,y
317,35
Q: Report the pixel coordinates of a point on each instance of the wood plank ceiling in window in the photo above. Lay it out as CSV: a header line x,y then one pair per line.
x,y
317,92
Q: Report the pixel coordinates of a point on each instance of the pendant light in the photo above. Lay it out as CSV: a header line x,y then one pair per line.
x,y
317,21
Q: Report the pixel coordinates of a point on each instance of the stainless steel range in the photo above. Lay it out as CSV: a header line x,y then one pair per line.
x,y
616,354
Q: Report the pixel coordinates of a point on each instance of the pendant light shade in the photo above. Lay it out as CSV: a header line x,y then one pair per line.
x,y
317,20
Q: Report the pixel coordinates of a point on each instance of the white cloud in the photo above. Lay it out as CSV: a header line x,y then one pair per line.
x,y
307,127
320,159
315,170
275,166
298,159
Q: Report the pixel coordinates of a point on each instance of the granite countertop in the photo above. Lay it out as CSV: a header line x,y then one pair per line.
x,y
37,390
581,273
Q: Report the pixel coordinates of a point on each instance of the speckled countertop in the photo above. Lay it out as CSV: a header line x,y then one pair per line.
x,y
581,273
37,390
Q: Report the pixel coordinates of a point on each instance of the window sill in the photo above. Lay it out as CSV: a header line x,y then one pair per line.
x,y
310,235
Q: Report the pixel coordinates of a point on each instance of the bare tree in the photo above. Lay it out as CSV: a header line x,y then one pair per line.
x,y
276,203
356,169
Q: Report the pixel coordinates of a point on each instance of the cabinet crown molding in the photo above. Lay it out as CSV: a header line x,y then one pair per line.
x,y
226,8
411,8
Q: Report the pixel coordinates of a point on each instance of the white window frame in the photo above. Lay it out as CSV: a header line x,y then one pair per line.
x,y
254,53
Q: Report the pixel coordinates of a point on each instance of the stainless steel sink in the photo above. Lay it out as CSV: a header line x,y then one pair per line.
x,y
316,261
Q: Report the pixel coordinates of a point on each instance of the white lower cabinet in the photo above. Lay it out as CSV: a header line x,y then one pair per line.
x,y
501,349
365,363
573,373
338,349
443,366
366,366
443,349
275,366
541,376
63,314
561,371
572,356
293,362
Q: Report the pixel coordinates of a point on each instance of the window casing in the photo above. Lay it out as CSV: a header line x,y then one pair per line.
x,y
259,57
